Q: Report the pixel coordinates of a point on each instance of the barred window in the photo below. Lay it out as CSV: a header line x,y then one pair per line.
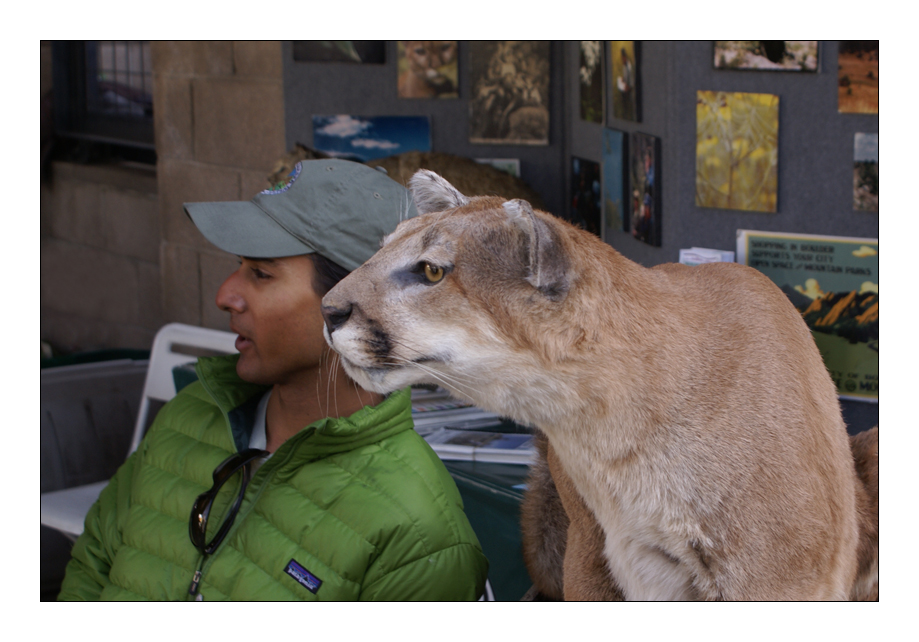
x,y
119,78
103,96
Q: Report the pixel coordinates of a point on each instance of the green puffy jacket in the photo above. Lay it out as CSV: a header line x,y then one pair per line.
x,y
361,504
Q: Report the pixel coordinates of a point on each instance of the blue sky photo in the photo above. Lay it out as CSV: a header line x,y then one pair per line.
x,y
364,138
866,147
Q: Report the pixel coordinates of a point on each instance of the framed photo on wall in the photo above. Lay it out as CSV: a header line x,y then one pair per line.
x,y
767,55
427,69
737,150
510,92
585,195
865,173
833,283
615,181
364,138
590,75
625,79
645,184
858,76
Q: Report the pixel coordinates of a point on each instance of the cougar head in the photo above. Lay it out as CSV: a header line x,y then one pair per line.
x,y
451,296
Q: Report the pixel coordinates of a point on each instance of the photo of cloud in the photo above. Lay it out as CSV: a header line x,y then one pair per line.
x,y
364,138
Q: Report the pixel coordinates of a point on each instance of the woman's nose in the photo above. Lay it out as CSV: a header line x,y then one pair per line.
x,y
228,297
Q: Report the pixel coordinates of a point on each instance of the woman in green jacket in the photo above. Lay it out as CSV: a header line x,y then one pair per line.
x,y
274,476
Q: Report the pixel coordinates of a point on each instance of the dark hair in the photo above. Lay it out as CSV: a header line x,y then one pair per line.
x,y
328,274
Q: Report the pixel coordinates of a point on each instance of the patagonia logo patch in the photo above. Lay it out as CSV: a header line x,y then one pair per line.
x,y
307,579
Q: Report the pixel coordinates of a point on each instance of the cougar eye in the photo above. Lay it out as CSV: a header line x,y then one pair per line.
x,y
433,273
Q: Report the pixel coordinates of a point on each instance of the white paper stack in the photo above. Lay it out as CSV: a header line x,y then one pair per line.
x,y
699,255
476,445
435,409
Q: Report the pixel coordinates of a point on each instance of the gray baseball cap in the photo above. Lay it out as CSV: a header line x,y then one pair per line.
x,y
336,208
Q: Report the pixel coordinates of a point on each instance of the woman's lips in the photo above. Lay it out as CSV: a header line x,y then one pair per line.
x,y
242,343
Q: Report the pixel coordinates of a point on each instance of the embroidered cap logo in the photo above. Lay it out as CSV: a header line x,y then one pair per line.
x,y
283,187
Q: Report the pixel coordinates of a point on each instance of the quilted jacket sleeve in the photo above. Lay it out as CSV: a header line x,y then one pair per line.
x,y
455,573
91,558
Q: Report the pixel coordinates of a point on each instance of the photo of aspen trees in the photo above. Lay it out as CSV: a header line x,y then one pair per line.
x,y
737,150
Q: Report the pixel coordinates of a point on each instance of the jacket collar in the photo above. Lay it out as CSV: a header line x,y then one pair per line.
x,y
238,399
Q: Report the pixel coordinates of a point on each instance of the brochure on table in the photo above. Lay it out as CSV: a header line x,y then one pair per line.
x,y
459,431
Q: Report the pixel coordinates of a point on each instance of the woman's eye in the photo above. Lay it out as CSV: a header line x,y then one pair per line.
x,y
433,273
259,274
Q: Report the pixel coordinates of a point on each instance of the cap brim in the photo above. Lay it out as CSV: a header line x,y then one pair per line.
x,y
244,229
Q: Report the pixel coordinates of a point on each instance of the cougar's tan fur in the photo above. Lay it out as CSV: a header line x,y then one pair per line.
x,y
695,437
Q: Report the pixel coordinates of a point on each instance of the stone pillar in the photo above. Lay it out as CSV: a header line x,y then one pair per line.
x,y
219,125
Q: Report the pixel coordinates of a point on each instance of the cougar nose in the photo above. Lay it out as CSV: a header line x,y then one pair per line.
x,y
335,317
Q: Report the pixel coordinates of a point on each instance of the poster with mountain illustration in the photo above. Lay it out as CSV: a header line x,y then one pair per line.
x,y
833,282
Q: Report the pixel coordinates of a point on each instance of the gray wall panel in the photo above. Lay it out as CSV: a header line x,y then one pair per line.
x,y
815,141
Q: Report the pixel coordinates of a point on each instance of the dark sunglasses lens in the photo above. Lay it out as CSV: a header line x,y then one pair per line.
x,y
200,512
197,524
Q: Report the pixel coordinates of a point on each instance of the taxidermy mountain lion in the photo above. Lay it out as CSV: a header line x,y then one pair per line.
x,y
694,435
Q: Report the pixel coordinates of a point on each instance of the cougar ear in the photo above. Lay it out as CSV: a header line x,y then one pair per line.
x,y
548,269
432,192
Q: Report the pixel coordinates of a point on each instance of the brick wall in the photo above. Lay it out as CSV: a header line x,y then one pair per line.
x,y
219,122
119,258
100,244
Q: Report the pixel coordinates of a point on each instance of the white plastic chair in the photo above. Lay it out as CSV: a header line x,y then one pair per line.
x,y
175,344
